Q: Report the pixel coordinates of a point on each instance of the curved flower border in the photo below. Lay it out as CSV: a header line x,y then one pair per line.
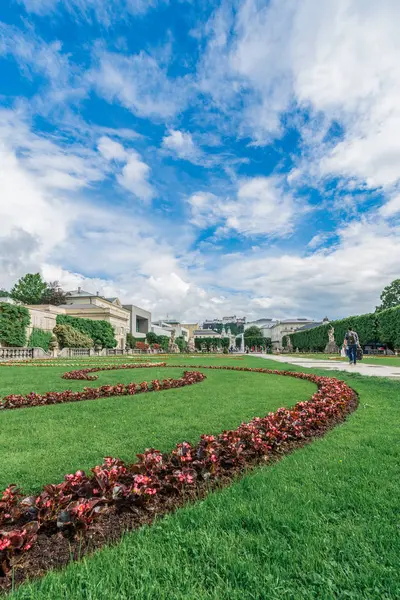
x,y
159,482
32,399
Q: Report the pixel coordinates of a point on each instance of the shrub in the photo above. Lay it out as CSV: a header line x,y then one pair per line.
x,y
381,326
40,339
389,326
68,337
13,323
130,341
97,330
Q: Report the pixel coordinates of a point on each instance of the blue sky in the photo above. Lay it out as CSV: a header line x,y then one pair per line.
x,y
203,158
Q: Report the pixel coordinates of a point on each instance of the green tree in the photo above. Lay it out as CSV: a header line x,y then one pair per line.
x,y
152,338
390,297
4,293
54,294
253,337
130,341
29,289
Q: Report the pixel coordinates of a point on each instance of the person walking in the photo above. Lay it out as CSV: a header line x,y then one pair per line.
x,y
352,343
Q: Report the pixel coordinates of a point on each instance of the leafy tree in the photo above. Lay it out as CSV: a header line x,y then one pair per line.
x,y
29,289
4,293
253,337
68,337
14,321
152,338
181,342
97,330
390,297
40,339
130,341
54,294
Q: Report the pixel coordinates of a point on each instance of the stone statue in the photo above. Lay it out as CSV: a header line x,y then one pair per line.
x,y
173,347
191,345
289,345
331,347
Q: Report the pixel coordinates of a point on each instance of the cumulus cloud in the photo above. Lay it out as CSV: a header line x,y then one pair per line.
x,y
181,143
134,177
135,173
320,56
260,206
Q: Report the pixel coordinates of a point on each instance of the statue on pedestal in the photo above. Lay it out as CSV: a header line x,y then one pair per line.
x,y
289,345
191,345
173,347
331,347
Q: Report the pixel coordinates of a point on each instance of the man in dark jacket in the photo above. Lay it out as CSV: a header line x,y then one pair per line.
x,y
352,343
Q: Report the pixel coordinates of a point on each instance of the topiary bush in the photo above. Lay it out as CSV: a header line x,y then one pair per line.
x,y
13,323
40,339
68,337
96,330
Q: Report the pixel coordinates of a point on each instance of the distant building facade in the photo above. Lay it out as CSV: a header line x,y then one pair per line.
x,y
85,305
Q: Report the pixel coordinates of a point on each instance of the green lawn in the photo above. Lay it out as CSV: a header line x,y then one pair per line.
x,y
321,524
392,361
48,442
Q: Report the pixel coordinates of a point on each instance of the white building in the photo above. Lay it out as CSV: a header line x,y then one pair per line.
x,y
206,333
285,327
139,321
163,327
264,324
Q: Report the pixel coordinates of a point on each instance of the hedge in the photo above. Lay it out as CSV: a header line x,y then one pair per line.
x,y
40,339
382,327
97,330
13,323
68,337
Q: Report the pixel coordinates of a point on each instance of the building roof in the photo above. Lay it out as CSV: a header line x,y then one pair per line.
x,y
297,321
205,332
80,292
309,326
85,306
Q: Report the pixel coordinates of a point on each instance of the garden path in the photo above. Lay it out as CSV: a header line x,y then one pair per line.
x,y
360,367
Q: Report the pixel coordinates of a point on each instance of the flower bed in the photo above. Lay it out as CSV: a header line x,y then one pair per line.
x,y
84,373
68,519
15,401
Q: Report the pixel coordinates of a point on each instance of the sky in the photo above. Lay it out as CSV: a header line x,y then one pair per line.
x,y
203,158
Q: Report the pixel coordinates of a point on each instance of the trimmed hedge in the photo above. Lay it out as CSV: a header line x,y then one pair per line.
x,y
97,330
13,323
382,327
40,339
68,337
389,326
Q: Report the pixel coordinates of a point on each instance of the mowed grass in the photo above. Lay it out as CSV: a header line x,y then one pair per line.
x,y
40,445
323,523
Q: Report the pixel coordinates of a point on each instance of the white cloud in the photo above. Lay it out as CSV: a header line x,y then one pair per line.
x,y
323,57
104,11
181,143
391,208
260,207
110,149
135,173
318,240
139,83
134,177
